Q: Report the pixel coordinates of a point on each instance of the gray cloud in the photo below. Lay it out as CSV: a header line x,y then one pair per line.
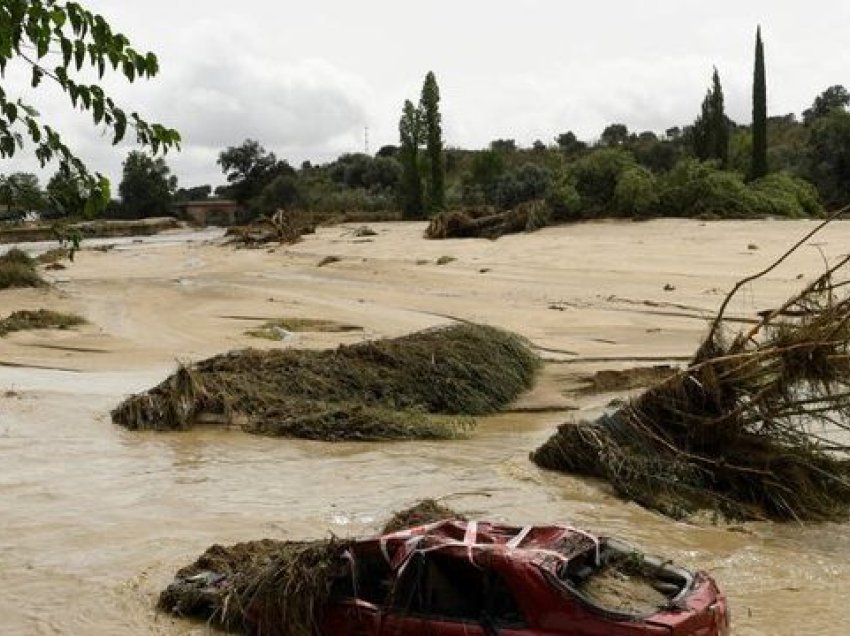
x,y
305,79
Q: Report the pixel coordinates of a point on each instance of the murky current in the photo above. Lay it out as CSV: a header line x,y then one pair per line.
x,y
94,519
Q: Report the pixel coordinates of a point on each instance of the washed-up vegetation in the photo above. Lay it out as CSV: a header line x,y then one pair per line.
x,y
282,227
483,222
752,428
26,320
425,385
426,511
279,328
18,269
272,587
53,256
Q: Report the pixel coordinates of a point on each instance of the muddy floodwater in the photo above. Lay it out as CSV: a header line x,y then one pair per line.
x,y
94,519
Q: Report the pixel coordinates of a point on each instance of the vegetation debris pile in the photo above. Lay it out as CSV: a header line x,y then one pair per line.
x,y
283,227
752,428
272,587
18,269
26,320
420,386
485,222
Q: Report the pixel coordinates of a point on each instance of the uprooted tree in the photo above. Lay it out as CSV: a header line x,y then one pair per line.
x,y
754,427
30,31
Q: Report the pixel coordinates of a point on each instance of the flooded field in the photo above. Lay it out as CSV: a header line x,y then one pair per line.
x,y
94,519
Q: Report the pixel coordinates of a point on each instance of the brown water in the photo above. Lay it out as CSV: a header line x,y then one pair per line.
x,y
94,520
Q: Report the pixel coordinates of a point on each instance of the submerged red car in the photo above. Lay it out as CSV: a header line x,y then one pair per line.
x,y
483,579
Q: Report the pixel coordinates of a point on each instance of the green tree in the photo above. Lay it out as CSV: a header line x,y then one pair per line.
x,y
833,98
487,168
758,167
614,135
429,105
249,169
66,194
195,193
30,32
710,132
828,156
147,186
410,134
21,193
569,144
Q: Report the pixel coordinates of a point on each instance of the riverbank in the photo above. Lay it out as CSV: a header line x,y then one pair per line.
x,y
102,228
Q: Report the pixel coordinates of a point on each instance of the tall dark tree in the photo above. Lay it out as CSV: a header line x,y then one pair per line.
x,y
614,135
429,105
147,186
833,98
758,167
710,133
249,169
410,134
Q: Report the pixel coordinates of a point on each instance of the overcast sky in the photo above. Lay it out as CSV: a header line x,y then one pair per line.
x,y
305,78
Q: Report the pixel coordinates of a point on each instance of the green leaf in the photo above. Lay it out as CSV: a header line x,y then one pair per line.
x,y
79,54
67,51
35,131
58,17
37,73
97,103
120,125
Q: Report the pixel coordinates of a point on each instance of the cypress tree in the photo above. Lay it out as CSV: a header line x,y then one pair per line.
x,y
429,105
711,129
410,133
758,167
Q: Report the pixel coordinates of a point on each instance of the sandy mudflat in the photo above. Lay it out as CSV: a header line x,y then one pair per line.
x,y
94,519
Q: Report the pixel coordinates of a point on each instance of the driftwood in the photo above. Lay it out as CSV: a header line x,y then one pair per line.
x,y
756,426
487,223
284,227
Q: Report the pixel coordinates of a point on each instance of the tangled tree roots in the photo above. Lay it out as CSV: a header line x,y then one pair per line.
x,y
755,427
487,223
421,386
284,226
274,588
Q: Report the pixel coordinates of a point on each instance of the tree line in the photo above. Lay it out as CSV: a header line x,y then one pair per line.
x,y
779,165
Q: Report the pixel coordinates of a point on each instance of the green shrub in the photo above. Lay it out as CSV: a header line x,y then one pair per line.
x,y
693,188
782,194
636,193
564,200
595,177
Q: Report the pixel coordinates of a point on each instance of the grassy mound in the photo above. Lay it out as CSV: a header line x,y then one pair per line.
x,y
423,385
17,269
274,588
754,427
38,319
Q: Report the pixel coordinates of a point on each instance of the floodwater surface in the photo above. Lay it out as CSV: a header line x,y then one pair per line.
x,y
94,520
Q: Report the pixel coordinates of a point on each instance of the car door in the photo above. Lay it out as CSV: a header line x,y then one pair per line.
x,y
441,594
